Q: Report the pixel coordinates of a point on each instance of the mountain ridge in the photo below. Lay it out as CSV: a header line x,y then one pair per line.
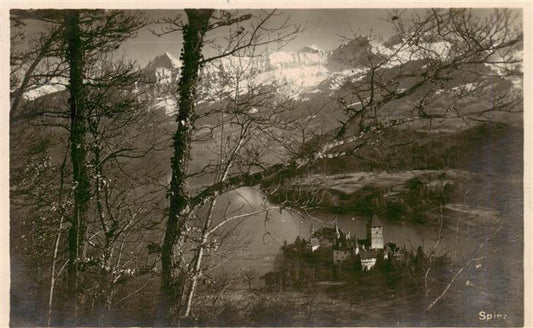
x,y
309,74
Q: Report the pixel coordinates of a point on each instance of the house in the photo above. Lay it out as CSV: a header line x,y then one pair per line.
x,y
368,258
343,247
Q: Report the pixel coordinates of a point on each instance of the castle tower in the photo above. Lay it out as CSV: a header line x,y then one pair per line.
x,y
376,234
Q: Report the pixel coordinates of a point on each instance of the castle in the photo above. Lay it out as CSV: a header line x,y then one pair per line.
x,y
344,247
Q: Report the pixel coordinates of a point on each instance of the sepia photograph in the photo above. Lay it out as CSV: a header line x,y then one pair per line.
x,y
243,166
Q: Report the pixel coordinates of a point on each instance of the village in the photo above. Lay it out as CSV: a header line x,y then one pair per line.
x,y
331,255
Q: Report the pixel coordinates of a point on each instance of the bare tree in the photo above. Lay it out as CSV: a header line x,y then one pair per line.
x,y
110,108
200,22
432,72
444,68
100,88
435,273
80,181
247,125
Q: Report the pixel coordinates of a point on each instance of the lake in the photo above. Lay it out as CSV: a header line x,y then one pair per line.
x,y
257,239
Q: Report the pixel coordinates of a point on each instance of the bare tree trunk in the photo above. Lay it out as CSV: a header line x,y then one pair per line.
x,y
53,271
172,285
57,240
209,217
198,259
78,154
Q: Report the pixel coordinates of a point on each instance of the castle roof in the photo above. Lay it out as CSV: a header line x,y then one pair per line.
x,y
368,254
376,222
346,244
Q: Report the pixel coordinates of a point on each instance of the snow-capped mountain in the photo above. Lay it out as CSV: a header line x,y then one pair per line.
x,y
163,68
298,71
306,56
43,90
308,73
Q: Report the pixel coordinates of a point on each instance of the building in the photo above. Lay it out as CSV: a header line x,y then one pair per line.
x,y
344,247
376,233
368,258
368,249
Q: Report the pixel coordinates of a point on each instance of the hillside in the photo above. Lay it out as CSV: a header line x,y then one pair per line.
x,y
409,175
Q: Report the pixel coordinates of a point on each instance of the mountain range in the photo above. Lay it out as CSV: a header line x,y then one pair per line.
x,y
312,69
309,74
299,71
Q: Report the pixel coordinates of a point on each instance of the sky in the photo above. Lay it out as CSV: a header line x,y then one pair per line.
x,y
323,27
